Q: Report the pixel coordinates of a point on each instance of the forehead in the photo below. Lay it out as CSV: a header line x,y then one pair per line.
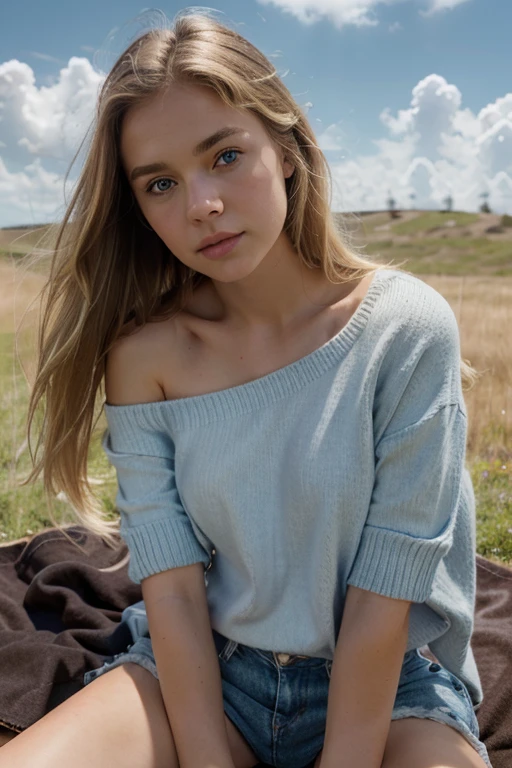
x,y
179,117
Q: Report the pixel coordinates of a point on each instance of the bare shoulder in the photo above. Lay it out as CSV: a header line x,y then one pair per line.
x,y
132,364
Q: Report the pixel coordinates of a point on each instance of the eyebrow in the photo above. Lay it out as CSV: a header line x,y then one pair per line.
x,y
200,149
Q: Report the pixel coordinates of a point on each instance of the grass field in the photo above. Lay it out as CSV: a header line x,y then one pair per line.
x,y
468,265
440,243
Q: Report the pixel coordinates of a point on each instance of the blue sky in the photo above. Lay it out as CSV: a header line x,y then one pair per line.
x,y
353,65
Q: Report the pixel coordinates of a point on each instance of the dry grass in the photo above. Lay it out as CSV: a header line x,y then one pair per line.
x,y
482,305
17,294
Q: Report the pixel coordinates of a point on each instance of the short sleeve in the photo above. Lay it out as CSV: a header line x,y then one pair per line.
x,y
420,446
154,523
413,508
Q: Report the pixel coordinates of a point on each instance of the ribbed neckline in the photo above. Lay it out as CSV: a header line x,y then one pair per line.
x,y
243,398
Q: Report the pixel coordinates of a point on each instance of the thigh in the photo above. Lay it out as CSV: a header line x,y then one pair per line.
x,y
433,722
119,719
422,743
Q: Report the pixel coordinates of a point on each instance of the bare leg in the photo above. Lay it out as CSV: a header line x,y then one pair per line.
x,y
118,719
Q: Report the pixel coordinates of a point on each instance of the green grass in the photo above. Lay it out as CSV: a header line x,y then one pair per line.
x,y
367,223
7,252
23,509
432,220
18,243
448,255
492,482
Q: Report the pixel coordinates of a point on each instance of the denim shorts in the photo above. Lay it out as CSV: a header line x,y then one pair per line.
x,y
279,702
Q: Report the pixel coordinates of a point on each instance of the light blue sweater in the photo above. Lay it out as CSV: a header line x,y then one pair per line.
x,y
344,467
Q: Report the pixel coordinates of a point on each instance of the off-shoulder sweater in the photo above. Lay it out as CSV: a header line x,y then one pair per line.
x,y
344,467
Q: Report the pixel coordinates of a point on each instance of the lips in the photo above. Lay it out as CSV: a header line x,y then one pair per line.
x,y
221,248
216,242
215,239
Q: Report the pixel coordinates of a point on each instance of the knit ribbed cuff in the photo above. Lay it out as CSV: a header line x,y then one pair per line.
x,y
160,545
396,565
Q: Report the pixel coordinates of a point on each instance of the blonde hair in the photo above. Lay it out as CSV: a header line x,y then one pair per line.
x,y
98,281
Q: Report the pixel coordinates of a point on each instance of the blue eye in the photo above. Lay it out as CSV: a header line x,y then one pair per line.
x,y
163,182
154,185
229,151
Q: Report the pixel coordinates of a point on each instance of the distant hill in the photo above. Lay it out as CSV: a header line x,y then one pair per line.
x,y
430,242
21,240
434,242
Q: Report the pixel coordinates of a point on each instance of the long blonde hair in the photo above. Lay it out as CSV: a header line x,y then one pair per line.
x,y
98,281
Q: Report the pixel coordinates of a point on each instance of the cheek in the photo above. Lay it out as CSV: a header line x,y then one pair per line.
x,y
163,220
265,191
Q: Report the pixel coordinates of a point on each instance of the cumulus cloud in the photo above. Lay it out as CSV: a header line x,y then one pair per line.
x,y
41,128
33,190
434,147
48,120
359,13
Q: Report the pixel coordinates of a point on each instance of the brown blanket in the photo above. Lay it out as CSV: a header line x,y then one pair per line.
x,y
60,609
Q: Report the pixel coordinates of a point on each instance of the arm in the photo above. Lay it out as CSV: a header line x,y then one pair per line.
x,y
364,679
419,441
188,667
175,597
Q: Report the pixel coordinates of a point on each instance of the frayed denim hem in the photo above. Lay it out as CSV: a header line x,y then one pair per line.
x,y
443,715
116,661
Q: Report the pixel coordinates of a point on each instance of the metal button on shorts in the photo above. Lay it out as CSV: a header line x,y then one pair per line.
x,y
285,658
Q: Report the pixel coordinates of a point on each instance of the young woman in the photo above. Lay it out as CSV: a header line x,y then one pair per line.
x,y
288,427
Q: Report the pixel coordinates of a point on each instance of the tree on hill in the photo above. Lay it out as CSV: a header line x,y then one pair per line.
x,y
485,207
448,204
391,204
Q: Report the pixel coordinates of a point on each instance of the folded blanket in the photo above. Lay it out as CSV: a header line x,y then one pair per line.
x,y
60,606
492,646
60,612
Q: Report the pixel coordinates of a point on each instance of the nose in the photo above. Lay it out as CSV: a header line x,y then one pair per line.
x,y
202,201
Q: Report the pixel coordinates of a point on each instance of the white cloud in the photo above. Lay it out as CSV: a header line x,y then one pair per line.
x,y
41,128
433,108
434,147
360,13
48,120
31,195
